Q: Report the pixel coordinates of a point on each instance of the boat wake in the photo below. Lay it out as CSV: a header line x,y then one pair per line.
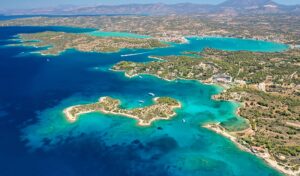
x,y
133,54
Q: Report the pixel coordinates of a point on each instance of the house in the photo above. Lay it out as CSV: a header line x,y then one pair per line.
x,y
222,78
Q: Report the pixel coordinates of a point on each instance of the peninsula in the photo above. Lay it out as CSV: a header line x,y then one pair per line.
x,y
264,87
282,28
162,109
170,68
57,42
267,85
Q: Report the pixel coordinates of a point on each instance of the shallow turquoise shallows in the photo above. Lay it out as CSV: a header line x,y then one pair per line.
x,y
99,144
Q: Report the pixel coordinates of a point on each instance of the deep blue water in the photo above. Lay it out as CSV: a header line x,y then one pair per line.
x,y
37,140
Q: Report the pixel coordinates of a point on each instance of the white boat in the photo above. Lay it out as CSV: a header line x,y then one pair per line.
x,y
183,121
152,94
141,101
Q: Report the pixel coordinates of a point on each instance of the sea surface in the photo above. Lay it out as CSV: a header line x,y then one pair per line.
x,y
36,139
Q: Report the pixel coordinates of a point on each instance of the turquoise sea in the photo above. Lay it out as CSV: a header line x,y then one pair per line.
x,y
36,139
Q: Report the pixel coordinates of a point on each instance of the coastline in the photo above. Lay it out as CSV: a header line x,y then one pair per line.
x,y
220,87
74,118
22,42
141,86
217,128
40,51
289,46
269,160
182,38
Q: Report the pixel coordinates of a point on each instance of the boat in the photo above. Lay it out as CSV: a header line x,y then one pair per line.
x,y
141,101
48,60
183,121
152,94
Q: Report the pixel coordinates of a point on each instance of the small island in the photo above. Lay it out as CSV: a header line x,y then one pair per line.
x,y
162,109
57,42
266,85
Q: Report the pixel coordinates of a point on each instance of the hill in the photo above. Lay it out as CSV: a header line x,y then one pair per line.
x,y
229,6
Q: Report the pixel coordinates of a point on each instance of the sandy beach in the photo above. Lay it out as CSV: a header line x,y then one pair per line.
x,y
216,127
141,122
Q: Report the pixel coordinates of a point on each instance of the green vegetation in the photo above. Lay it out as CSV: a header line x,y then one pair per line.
x,y
57,42
274,119
167,100
162,109
253,67
270,72
171,68
267,84
283,28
